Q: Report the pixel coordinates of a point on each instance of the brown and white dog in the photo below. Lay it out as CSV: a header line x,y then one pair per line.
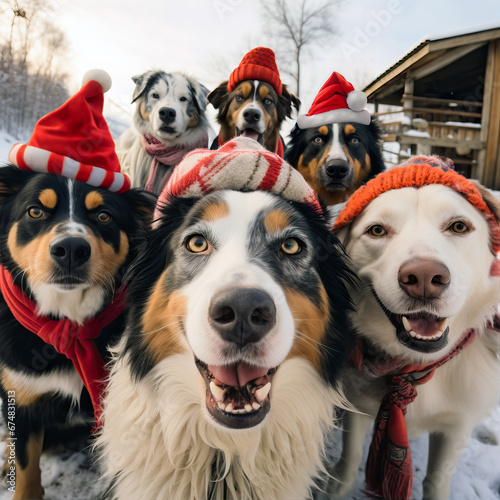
x,y
169,121
423,241
226,378
253,102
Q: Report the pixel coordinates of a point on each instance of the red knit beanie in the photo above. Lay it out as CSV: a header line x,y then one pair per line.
x,y
258,64
240,165
75,141
417,172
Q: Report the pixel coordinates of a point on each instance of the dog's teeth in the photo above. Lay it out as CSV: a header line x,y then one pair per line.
x,y
256,406
248,408
261,394
217,392
229,407
418,336
412,333
222,406
406,324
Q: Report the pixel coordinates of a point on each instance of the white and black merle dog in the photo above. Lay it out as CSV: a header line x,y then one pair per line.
x,y
169,121
227,376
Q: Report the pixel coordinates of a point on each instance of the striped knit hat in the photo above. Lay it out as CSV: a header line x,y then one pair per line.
x,y
75,141
258,64
241,164
336,102
417,172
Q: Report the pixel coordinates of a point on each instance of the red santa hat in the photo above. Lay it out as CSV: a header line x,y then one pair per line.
x,y
241,164
258,64
75,141
336,102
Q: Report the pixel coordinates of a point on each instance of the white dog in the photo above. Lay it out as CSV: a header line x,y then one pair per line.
x,y
425,257
169,121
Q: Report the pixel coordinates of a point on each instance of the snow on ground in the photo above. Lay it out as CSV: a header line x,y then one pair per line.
x,y
67,476
6,142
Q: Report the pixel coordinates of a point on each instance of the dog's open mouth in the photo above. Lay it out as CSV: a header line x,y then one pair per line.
x,y
251,134
167,130
237,395
420,331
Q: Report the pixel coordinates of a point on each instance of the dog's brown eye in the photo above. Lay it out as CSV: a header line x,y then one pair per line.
x,y
377,231
35,212
318,140
459,227
354,140
197,243
104,217
291,246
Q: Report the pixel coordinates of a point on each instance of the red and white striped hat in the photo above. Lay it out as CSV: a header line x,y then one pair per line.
x,y
75,141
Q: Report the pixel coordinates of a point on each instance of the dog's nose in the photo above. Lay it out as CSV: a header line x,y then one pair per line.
x,y
424,279
251,115
242,315
167,115
337,169
70,252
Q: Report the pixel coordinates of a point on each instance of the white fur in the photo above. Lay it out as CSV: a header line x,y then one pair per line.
x,y
260,126
467,387
336,152
161,442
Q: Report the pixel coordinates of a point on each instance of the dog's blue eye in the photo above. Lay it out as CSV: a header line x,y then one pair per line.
x,y
197,243
155,95
354,140
318,140
239,98
267,102
291,246
377,231
35,212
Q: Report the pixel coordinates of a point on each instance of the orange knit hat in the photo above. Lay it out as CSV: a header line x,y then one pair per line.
x,y
417,172
258,64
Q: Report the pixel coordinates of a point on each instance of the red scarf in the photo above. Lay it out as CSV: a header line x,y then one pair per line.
x,y
279,146
75,341
389,472
167,155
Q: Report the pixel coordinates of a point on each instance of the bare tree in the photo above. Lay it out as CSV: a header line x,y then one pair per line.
x,y
300,24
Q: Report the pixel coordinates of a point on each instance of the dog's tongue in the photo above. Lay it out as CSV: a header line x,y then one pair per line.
x,y
427,326
251,134
237,375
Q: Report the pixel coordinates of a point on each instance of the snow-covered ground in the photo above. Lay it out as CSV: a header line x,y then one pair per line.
x,y
67,476
6,142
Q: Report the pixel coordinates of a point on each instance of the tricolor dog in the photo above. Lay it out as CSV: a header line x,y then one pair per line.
x,y
169,121
423,241
336,147
253,103
226,379
64,245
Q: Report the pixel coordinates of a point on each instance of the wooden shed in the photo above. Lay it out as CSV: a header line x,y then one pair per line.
x,y
447,97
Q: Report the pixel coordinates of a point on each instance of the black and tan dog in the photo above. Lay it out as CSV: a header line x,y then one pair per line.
x,y
65,245
336,159
253,103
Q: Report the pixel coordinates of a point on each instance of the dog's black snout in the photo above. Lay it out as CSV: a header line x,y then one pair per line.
x,y
337,169
251,115
242,315
70,252
424,279
167,115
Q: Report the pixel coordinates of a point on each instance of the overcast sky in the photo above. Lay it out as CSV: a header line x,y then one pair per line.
x,y
127,37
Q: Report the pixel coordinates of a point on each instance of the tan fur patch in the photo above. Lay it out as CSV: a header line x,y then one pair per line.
x,y
28,480
263,91
105,262
195,120
276,221
48,198
244,88
349,129
310,325
144,114
215,211
25,396
323,130
361,171
162,321
93,200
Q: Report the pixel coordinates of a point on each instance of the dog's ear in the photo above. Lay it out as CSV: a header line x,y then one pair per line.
x,y
285,103
292,150
140,84
144,204
199,94
217,97
375,148
12,179
490,199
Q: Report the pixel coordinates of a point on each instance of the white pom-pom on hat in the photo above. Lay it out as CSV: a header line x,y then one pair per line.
x,y
98,75
356,100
